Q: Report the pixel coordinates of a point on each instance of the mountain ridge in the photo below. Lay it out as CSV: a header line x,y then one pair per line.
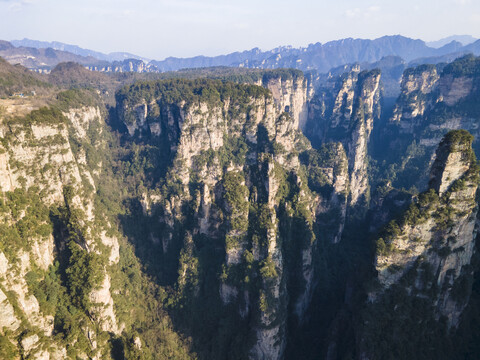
x,y
463,39
75,49
316,56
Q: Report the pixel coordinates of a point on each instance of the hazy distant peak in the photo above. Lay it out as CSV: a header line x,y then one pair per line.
x,y
5,45
120,56
463,39
77,50
451,47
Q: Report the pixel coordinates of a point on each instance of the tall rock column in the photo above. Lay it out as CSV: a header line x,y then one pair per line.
x,y
365,112
430,249
345,111
423,263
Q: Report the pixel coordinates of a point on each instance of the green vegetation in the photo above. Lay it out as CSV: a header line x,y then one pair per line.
x,y
75,98
283,74
457,138
318,162
427,205
267,269
48,291
367,74
7,349
469,65
234,150
237,75
402,326
17,79
25,218
236,195
189,92
419,70
63,290
43,116
84,273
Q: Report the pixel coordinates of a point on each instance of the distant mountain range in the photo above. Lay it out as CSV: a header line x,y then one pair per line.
x,y
74,49
463,39
320,57
44,56
45,59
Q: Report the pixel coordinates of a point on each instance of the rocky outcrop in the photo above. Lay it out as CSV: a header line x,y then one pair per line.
x,y
363,121
453,159
413,101
128,65
82,118
290,95
345,110
8,319
433,100
103,306
38,161
423,89
430,96
430,249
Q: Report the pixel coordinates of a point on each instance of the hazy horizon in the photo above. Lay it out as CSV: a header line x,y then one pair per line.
x,y
187,28
238,50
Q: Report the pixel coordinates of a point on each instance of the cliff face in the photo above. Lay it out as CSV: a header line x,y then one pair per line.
x,y
63,290
433,100
345,110
426,255
454,180
290,95
363,121
413,101
425,90
38,160
236,161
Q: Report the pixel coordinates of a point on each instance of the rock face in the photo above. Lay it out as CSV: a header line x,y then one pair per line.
x,y
38,160
425,89
345,110
290,95
128,65
433,100
424,261
412,103
430,249
9,320
453,159
241,154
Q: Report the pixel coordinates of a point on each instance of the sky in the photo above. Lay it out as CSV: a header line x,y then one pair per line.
x,y
157,29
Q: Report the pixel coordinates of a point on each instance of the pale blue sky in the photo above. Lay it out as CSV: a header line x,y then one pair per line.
x,y
161,28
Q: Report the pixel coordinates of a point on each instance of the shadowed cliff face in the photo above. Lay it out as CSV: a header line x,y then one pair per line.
x,y
346,110
239,162
401,152
433,100
425,256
